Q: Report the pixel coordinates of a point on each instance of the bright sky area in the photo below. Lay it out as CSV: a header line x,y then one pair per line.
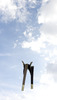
x,y
28,32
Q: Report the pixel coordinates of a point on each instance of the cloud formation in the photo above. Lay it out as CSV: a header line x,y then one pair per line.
x,y
52,69
16,10
45,92
47,17
46,43
11,10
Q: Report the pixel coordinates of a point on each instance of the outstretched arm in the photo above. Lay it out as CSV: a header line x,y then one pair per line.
x,y
23,63
31,63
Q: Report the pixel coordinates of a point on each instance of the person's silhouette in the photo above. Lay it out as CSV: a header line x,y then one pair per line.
x,y
31,70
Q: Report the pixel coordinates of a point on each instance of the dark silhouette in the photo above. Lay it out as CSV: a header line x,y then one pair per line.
x,y
31,70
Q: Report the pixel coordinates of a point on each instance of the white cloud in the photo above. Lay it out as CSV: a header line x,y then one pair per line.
x,y
9,96
7,10
46,79
47,42
48,18
35,45
11,9
25,34
46,90
16,9
28,35
52,69
44,1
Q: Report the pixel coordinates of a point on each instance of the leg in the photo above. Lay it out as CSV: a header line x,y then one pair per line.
x,y
32,70
24,77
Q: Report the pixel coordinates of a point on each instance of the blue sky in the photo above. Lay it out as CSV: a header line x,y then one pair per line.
x,y
28,32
